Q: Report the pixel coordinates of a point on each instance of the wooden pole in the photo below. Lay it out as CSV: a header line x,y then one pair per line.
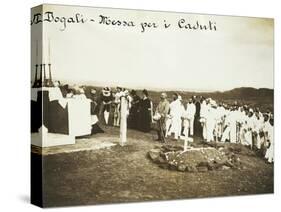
x,y
123,121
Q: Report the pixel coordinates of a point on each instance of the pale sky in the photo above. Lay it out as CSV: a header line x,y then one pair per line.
x,y
238,54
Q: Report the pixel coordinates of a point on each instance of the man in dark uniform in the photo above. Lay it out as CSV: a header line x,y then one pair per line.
x,y
197,124
144,123
161,114
106,100
134,110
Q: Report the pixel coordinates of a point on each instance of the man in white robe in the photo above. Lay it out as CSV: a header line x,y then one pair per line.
x,y
249,126
203,115
256,127
210,123
269,155
219,126
117,98
176,113
230,130
189,114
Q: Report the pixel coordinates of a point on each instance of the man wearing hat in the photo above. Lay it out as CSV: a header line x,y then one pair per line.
x,y
133,117
116,113
176,113
160,116
269,155
145,113
106,98
189,117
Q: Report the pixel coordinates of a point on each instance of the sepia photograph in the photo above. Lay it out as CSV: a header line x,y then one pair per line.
x,y
135,105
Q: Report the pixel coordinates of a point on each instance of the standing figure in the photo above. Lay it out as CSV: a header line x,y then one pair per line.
x,y
176,113
249,127
189,118
197,124
117,100
203,118
161,113
258,122
145,111
230,131
210,123
220,123
269,155
106,100
134,110
264,133
94,112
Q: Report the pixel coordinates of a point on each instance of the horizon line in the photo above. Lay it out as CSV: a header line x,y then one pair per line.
x,y
114,84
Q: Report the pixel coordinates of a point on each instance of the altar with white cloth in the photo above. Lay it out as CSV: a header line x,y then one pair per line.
x,y
79,116
58,117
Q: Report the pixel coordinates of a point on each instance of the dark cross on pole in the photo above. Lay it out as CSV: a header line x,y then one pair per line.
x,y
51,84
45,78
35,77
40,79
36,82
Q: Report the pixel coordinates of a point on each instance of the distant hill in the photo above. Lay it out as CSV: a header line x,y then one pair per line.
x,y
262,97
250,93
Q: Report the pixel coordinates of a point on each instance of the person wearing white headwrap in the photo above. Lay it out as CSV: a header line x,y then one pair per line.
x,y
242,122
230,130
269,155
117,114
210,123
203,118
161,116
106,98
249,127
219,126
176,113
189,114
256,126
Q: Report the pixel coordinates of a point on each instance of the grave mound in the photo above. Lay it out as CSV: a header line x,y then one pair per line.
x,y
194,159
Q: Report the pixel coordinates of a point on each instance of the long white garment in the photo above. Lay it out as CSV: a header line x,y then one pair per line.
x,y
203,118
234,116
176,112
256,126
116,120
243,128
269,155
259,127
226,132
230,131
248,133
79,116
219,125
189,117
210,123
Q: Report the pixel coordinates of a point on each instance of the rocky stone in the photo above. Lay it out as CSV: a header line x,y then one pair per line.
x,y
191,168
154,154
225,167
181,167
202,168
161,159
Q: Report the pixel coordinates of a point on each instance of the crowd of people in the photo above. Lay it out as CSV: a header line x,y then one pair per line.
x,y
216,122
202,117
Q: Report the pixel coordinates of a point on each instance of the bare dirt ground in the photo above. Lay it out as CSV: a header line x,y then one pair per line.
x,y
125,174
